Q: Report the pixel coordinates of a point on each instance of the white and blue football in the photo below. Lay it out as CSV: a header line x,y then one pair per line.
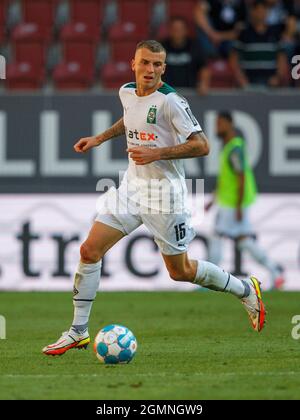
x,y
115,344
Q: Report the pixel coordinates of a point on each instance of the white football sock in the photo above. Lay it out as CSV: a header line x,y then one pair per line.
x,y
213,277
86,283
259,255
215,249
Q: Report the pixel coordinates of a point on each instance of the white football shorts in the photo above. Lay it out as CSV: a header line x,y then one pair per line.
x,y
172,232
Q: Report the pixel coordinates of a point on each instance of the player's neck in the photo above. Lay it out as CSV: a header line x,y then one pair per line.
x,y
141,91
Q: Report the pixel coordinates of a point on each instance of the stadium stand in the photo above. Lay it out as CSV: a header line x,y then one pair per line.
x,y
83,44
3,8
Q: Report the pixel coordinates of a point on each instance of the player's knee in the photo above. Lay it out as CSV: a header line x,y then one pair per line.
x,y
179,275
89,254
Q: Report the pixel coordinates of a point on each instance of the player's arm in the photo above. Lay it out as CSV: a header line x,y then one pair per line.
x,y
237,162
86,143
241,190
196,145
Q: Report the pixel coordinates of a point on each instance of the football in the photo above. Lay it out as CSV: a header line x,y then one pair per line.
x,y
115,344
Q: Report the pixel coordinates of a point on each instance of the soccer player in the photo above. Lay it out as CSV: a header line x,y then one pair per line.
x,y
235,193
161,131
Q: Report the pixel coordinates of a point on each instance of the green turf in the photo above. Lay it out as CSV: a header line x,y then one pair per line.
x,y
190,346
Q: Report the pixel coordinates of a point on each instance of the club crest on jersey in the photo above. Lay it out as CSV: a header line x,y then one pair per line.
x,y
151,117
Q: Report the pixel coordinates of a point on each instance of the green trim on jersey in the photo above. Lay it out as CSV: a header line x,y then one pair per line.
x,y
227,183
166,89
130,85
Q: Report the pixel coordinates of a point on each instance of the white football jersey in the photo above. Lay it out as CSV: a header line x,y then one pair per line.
x,y
161,119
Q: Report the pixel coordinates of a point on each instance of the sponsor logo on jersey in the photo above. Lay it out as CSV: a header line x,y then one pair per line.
x,y
141,135
151,117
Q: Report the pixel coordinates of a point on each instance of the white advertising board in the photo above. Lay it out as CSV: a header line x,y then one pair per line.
x,y
40,236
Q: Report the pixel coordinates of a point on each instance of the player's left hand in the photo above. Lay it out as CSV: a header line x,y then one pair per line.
x,y
142,155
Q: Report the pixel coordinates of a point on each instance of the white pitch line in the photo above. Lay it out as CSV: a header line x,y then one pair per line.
x,y
94,375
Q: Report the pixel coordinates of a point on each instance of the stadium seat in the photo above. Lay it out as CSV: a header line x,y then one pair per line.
x,y
30,42
3,10
39,11
81,52
138,11
114,74
79,42
181,8
3,7
2,35
73,75
31,52
31,31
129,31
122,50
24,75
79,31
88,11
221,75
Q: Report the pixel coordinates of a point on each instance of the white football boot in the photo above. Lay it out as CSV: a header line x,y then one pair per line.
x,y
67,341
254,305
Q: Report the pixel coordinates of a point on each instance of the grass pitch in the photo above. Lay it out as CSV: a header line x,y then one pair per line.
x,y
195,345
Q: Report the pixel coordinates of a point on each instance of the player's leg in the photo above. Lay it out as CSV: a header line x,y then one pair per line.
x,y
87,277
208,275
215,243
86,282
205,274
250,245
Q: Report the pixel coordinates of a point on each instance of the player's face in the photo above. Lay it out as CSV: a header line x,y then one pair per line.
x,y
148,67
222,127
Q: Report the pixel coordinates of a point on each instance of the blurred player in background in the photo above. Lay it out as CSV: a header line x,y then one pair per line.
x,y
161,131
235,193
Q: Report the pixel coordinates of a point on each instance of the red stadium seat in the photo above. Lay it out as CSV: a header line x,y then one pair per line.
x,y
24,75
135,11
182,8
81,52
2,35
221,75
129,31
79,31
73,75
3,10
122,50
31,31
114,74
31,52
39,11
30,40
88,11
79,42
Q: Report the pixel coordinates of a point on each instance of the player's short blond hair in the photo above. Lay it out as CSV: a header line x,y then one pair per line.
x,y
152,45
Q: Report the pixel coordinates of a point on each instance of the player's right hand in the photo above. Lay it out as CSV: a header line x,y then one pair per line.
x,y
85,144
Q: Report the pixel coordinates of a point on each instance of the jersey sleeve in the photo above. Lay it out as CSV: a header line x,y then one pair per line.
x,y
121,94
237,160
180,115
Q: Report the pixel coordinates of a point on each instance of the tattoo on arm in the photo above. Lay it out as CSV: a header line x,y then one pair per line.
x,y
196,145
115,130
